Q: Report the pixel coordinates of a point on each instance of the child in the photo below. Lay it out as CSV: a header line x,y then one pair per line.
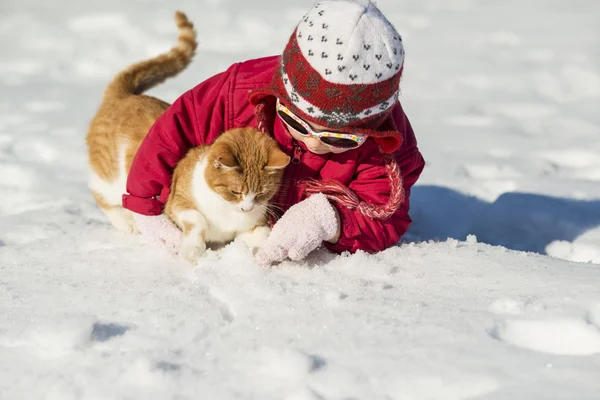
x,y
331,102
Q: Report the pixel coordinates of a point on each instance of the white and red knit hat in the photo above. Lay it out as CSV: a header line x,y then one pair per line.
x,y
341,68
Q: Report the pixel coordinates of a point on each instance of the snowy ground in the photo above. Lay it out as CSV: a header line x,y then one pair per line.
x,y
503,97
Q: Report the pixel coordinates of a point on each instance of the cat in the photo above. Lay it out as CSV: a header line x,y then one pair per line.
x,y
123,119
222,191
218,192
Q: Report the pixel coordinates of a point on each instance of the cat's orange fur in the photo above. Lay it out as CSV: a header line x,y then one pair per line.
x,y
220,192
123,119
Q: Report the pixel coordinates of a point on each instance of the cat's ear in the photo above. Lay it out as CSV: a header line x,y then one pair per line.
x,y
225,160
277,160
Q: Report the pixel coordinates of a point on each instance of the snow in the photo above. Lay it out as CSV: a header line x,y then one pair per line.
x,y
571,337
493,293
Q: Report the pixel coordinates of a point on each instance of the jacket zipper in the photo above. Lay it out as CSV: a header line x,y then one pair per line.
x,y
297,154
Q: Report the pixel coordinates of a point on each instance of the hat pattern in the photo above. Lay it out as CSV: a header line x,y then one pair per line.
x,y
310,92
350,42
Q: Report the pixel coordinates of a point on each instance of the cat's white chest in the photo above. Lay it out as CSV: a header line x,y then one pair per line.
x,y
224,219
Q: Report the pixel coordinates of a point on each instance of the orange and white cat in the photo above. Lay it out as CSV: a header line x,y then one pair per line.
x,y
222,191
218,192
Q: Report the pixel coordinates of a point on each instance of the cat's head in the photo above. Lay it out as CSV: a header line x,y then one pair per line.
x,y
245,167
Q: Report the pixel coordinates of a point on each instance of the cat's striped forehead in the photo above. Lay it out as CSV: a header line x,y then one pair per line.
x,y
248,163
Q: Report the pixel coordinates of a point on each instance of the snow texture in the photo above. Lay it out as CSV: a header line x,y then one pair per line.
x,y
492,295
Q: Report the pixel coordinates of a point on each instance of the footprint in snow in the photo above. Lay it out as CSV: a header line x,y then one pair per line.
x,y
166,366
576,337
102,332
62,339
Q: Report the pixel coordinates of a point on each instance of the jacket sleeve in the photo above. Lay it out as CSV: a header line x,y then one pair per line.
x,y
197,117
371,184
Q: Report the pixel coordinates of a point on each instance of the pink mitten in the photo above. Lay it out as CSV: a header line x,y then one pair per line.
x,y
160,231
300,230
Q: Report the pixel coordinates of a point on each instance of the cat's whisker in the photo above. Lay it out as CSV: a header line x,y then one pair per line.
x,y
275,207
275,212
271,214
277,204
266,207
269,211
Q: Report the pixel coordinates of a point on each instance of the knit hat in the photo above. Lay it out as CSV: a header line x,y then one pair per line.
x,y
341,69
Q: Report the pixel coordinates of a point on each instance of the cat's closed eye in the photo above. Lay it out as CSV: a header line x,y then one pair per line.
x,y
235,193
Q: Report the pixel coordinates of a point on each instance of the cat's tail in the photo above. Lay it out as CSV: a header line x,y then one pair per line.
x,y
146,74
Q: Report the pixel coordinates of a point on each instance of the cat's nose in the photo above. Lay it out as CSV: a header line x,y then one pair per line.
x,y
247,207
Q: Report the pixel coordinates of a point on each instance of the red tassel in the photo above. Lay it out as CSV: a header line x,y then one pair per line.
x,y
335,191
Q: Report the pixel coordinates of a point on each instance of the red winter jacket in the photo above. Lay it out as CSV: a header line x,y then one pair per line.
x,y
221,103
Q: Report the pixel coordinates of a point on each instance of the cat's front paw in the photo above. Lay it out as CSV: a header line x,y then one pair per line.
x,y
257,238
193,251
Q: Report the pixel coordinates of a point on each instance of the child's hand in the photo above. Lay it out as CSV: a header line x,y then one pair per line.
x,y
301,230
160,231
